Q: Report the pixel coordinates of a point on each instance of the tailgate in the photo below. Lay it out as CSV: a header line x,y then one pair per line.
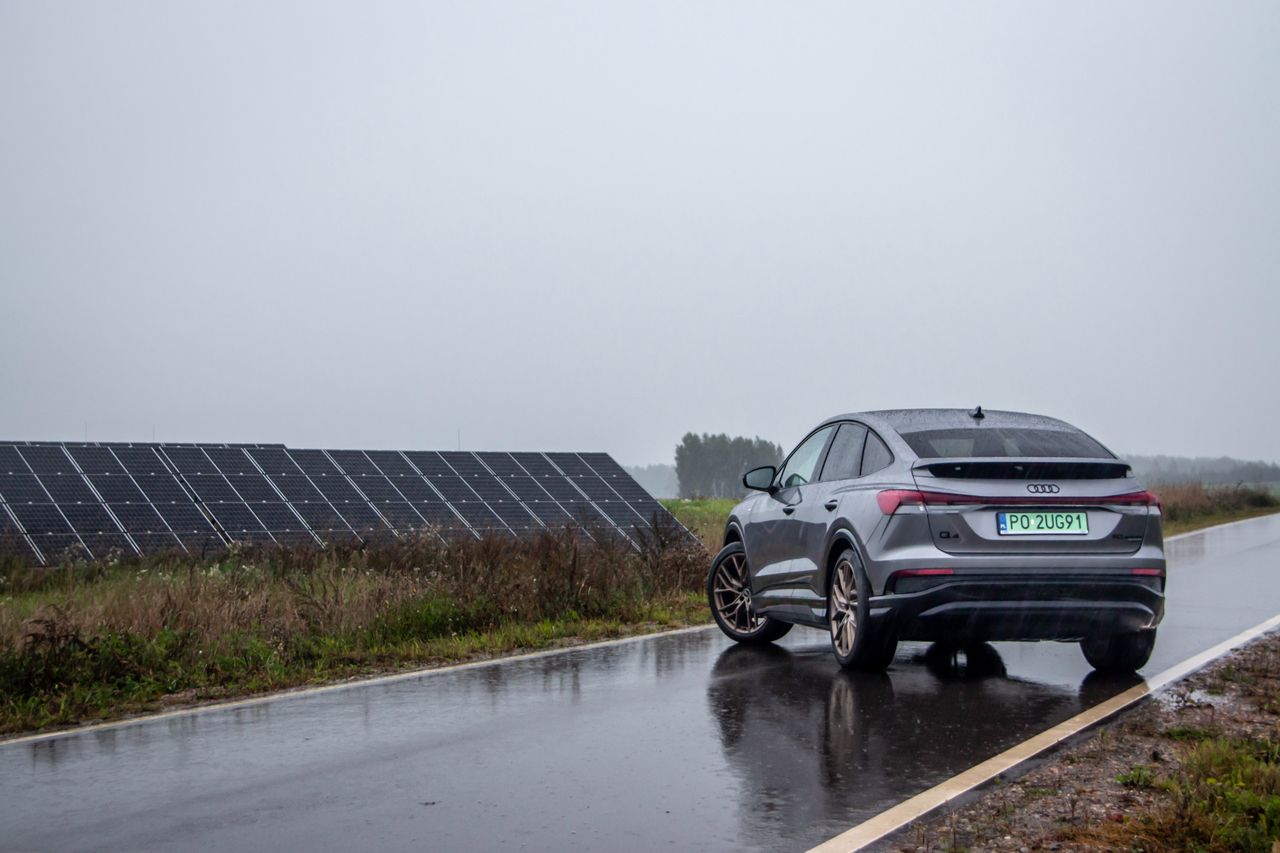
x,y
1052,506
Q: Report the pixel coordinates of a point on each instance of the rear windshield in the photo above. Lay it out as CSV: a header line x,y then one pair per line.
x,y
1006,442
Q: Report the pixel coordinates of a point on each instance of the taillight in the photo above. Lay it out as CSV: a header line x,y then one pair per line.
x,y
891,499
1146,497
1148,573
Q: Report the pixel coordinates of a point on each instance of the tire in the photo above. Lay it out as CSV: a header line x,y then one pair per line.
x,y
1120,652
729,596
855,643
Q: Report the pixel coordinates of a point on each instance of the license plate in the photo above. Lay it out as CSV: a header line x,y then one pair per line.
x,y
1042,523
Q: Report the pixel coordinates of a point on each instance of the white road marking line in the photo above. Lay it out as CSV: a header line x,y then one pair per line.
x,y
887,822
408,675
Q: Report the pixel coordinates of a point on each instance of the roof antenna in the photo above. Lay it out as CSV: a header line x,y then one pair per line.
x,y
977,414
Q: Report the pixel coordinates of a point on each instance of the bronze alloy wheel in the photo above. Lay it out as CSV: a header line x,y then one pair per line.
x,y
729,594
733,596
844,608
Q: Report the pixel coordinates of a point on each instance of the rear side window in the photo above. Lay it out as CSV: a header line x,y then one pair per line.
x,y
803,464
844,459
876,455
1003,443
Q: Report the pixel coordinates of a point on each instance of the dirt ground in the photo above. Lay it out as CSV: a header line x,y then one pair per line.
x,y
1095,794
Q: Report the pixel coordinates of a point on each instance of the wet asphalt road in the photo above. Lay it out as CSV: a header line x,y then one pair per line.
x,y
680,742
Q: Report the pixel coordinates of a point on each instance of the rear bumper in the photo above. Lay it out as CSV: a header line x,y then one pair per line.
x,y
1029,607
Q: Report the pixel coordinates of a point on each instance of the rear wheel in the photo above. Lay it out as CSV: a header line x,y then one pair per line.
x,y
1120,652
855,642
729,594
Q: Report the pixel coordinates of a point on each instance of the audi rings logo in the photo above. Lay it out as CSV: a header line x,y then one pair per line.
x,y
1043,488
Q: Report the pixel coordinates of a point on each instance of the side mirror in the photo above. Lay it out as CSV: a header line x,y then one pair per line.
x,y
760,479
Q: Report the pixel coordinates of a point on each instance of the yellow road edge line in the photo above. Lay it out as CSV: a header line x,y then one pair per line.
x,y
373,681
887,822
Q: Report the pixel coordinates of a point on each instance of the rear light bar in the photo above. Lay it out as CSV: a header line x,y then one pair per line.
x,y
890,499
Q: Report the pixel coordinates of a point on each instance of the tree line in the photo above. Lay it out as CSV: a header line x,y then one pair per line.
x,y
1222,470
711,466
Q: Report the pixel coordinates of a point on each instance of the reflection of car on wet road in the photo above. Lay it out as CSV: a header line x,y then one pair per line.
x,y
816,747
945,525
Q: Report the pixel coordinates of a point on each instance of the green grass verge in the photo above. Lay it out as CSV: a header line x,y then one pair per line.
x,y
73,680
706,517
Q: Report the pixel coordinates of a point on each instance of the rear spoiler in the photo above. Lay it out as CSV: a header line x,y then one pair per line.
x,y
1018,468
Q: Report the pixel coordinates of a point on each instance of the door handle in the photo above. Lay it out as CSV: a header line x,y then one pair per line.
x,y
787,510
832,504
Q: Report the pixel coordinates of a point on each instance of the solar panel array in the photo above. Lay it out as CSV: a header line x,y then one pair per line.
x,y
100,499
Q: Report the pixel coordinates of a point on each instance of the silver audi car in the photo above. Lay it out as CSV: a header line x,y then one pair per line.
x,y
946,525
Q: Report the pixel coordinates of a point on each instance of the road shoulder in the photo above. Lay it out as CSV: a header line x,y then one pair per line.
x,y
1194,766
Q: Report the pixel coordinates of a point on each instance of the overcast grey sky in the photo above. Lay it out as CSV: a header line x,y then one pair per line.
x,y
585,225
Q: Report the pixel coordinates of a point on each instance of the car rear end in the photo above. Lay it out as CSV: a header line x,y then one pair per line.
x,y
1021,529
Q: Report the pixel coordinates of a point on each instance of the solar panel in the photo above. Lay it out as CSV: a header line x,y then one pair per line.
x,y
416,489
442,517
140,460
22,488
526,488
95,460
595,488
480,517
117,488
454,489
11,461
552,515
502,464
536,464
188,459
561,489
254,488
162,488
570,464
230,461
12,540
376,487
402,516
430,463
337,489
312,461
68,488
212,488
296,488
102,499
488,488
48,459
274,461
515,516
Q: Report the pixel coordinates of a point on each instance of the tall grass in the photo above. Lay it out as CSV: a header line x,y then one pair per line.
x,y
93,639
1185,503
705,517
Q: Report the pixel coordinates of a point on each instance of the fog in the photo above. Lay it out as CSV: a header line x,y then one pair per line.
x,y
597,226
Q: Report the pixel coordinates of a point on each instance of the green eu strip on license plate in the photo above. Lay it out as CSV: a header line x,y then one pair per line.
x,y
1041,523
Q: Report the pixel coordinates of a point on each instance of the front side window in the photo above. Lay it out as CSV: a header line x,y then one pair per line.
x,y
844,460
803,463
